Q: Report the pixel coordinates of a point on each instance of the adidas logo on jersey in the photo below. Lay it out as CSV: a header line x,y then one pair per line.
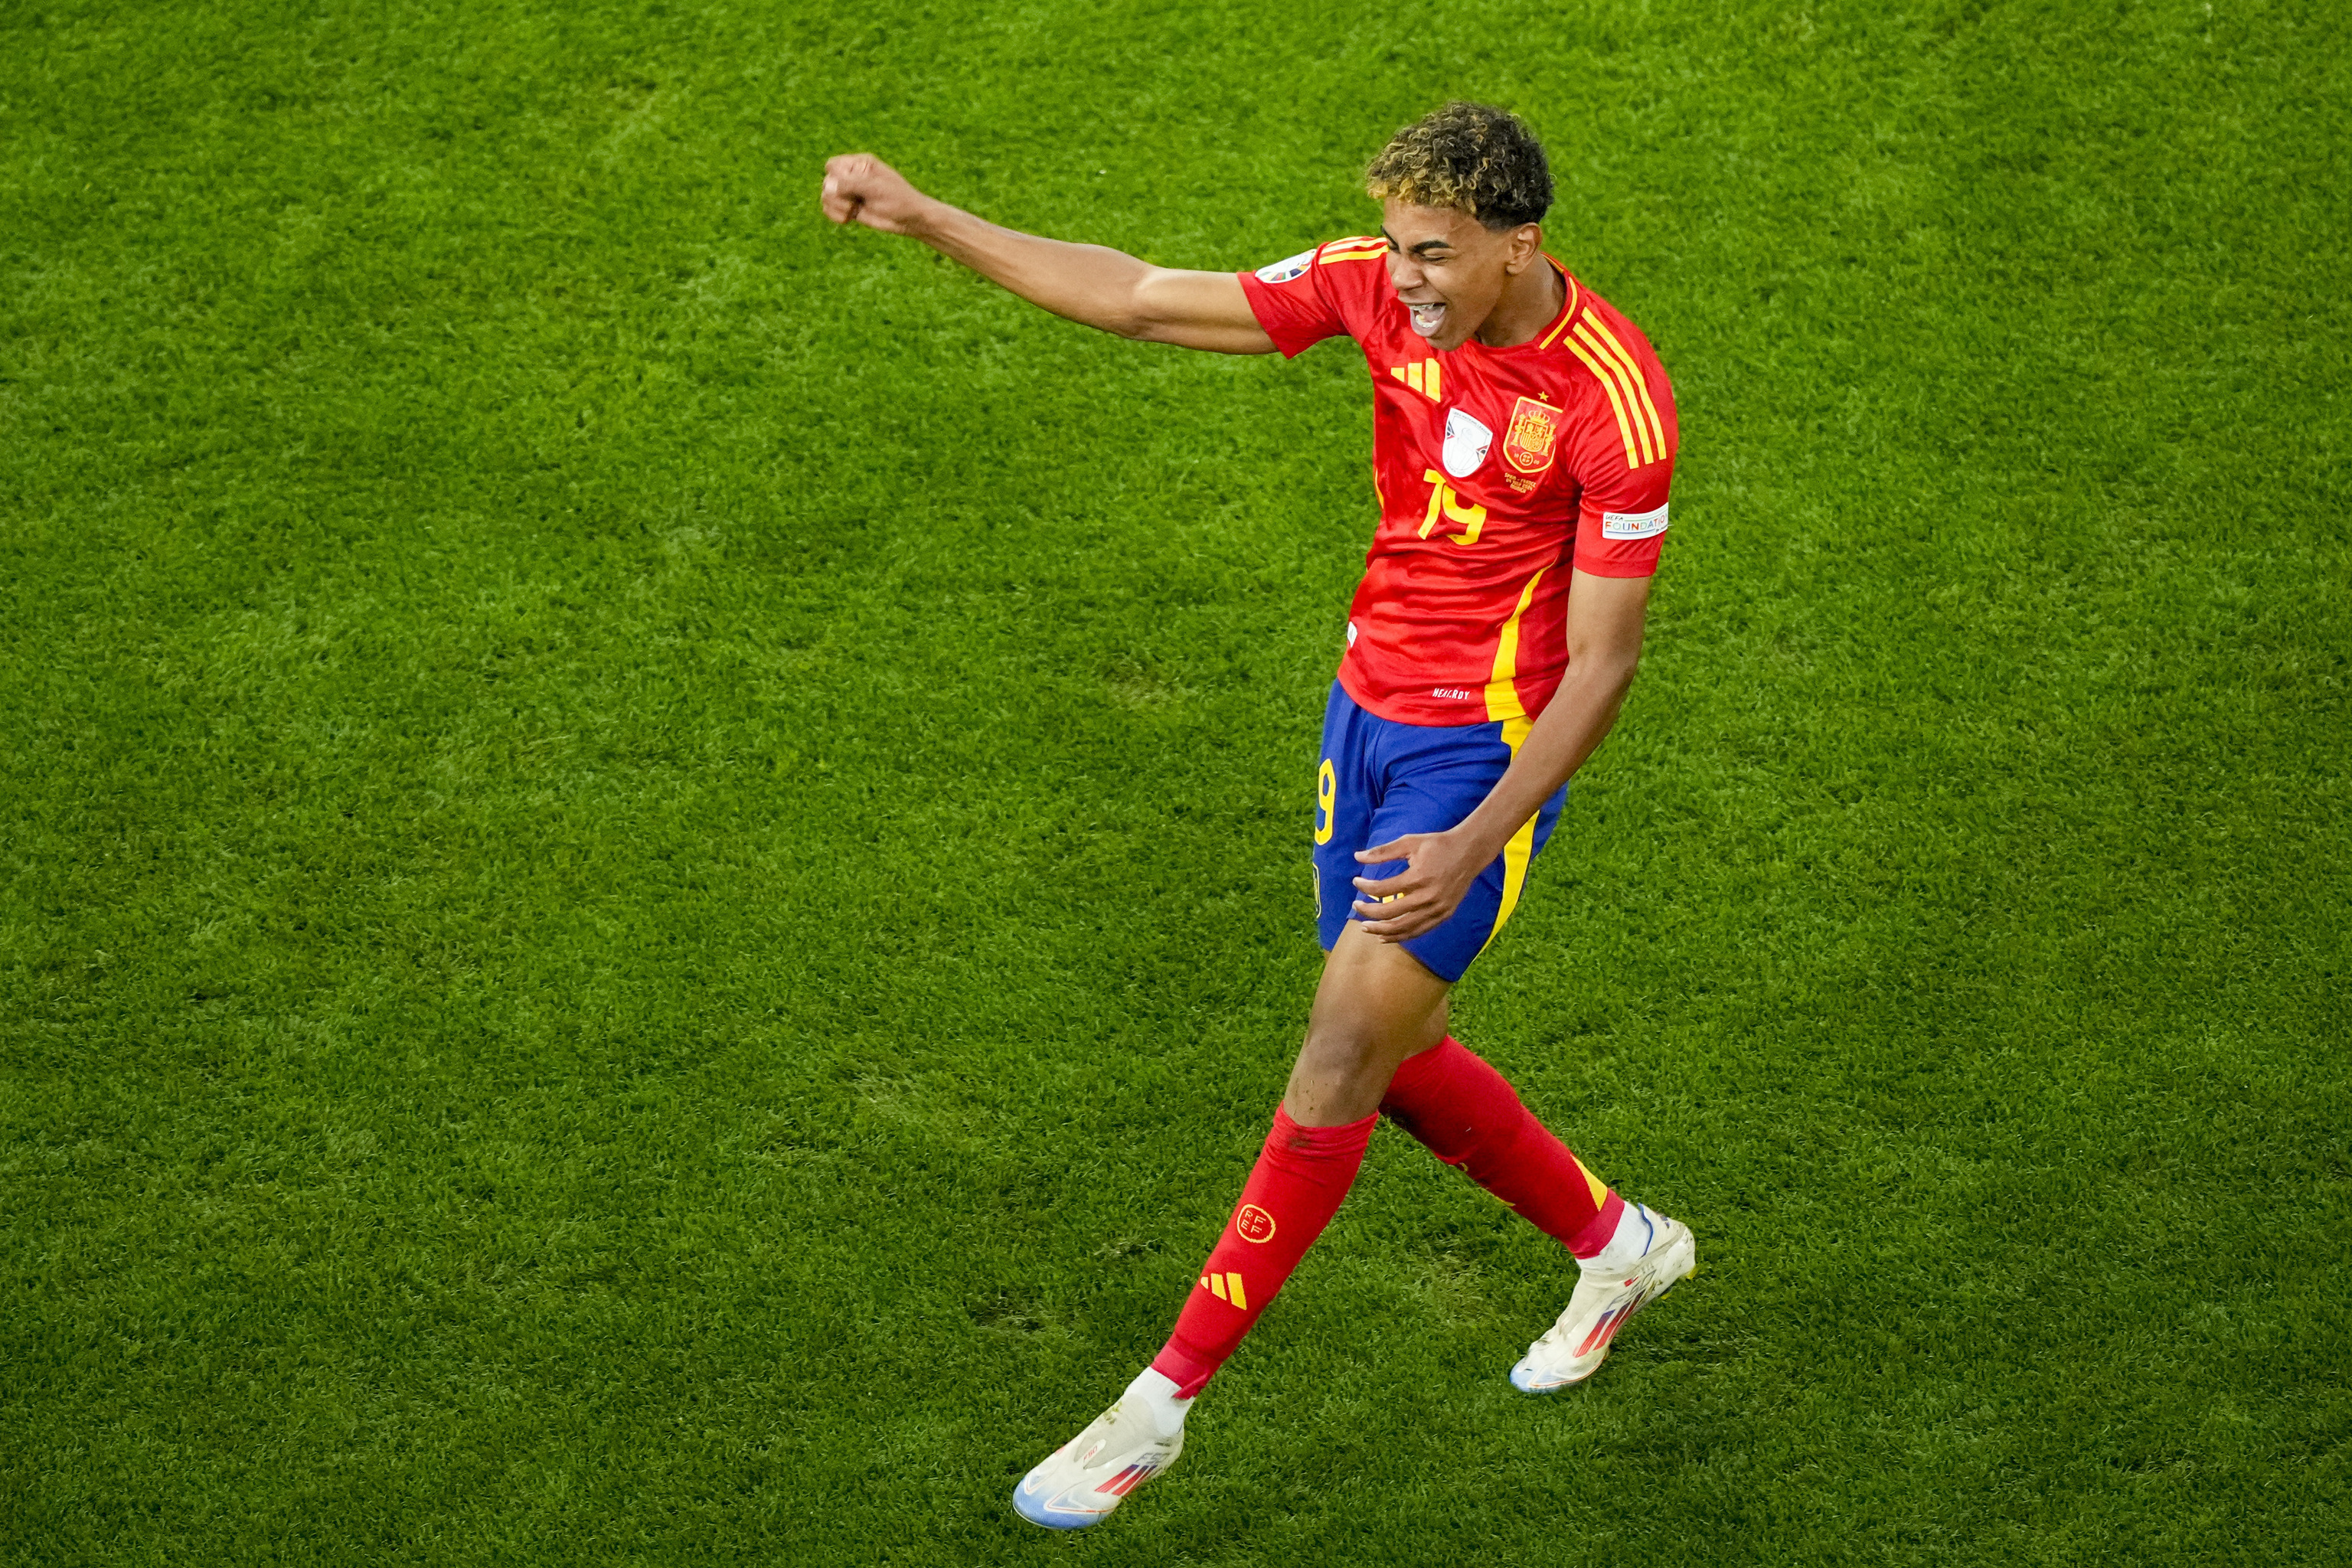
x,y
1423,378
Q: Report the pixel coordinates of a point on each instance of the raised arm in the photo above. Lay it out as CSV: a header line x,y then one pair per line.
x,y
1090,283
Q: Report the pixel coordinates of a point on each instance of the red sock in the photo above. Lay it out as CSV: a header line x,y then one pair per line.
x,y
1469,1116
1290,1197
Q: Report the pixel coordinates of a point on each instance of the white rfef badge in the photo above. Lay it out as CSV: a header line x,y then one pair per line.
x,y
1467,441
1284,271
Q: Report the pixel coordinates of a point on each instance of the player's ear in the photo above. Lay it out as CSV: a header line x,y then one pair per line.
x,y
1526,243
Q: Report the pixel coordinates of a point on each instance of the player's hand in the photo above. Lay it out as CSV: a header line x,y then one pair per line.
x,y
861,188
1439,869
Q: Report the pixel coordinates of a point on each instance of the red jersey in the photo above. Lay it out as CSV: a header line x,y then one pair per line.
x,y
1498,470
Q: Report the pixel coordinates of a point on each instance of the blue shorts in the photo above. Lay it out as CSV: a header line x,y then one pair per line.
x,y
1380,780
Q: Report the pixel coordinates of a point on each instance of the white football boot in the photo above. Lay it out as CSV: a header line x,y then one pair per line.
x,y
1644,1261
1123,1447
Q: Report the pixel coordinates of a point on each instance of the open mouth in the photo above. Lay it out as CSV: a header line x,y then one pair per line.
x,y
1427,319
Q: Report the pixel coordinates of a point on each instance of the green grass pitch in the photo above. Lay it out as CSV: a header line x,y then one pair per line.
x,y
652,878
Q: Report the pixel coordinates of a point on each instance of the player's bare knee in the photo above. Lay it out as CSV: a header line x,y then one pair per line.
x,y
1347,1048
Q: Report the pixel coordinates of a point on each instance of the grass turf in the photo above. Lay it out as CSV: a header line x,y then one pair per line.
x,y
653,884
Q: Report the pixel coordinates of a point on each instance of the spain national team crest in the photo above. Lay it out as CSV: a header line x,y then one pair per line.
x,y
1530,443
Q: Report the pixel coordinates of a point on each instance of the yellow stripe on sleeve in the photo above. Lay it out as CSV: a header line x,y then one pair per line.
x,y
1624,425
1657,431
1625,382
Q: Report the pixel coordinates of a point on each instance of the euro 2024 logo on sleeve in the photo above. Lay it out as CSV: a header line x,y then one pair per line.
x,y
1283,271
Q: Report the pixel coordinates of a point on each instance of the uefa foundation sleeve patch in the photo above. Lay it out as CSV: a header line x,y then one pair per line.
x,y
1632,524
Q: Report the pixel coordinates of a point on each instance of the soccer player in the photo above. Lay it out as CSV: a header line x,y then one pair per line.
x,y
1523,440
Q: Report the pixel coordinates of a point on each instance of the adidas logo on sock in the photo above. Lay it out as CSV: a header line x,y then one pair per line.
x,y
1227,1287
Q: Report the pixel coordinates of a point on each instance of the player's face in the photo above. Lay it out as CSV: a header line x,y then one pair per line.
x,y
1450,269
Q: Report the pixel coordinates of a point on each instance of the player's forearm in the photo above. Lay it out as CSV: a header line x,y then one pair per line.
x,y
1088,283
1569,730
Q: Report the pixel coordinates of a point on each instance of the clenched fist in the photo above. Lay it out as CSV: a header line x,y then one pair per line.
x,y
861,187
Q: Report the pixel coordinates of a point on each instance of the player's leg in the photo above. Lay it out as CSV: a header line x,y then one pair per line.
x,y
1627,1255
1445,1096
1469,1116
1375,1005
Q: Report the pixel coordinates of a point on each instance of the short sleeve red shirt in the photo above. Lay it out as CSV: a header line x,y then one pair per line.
x,y
1498,470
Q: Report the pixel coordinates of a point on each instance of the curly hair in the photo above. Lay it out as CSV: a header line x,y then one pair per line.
x,y
1472,157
